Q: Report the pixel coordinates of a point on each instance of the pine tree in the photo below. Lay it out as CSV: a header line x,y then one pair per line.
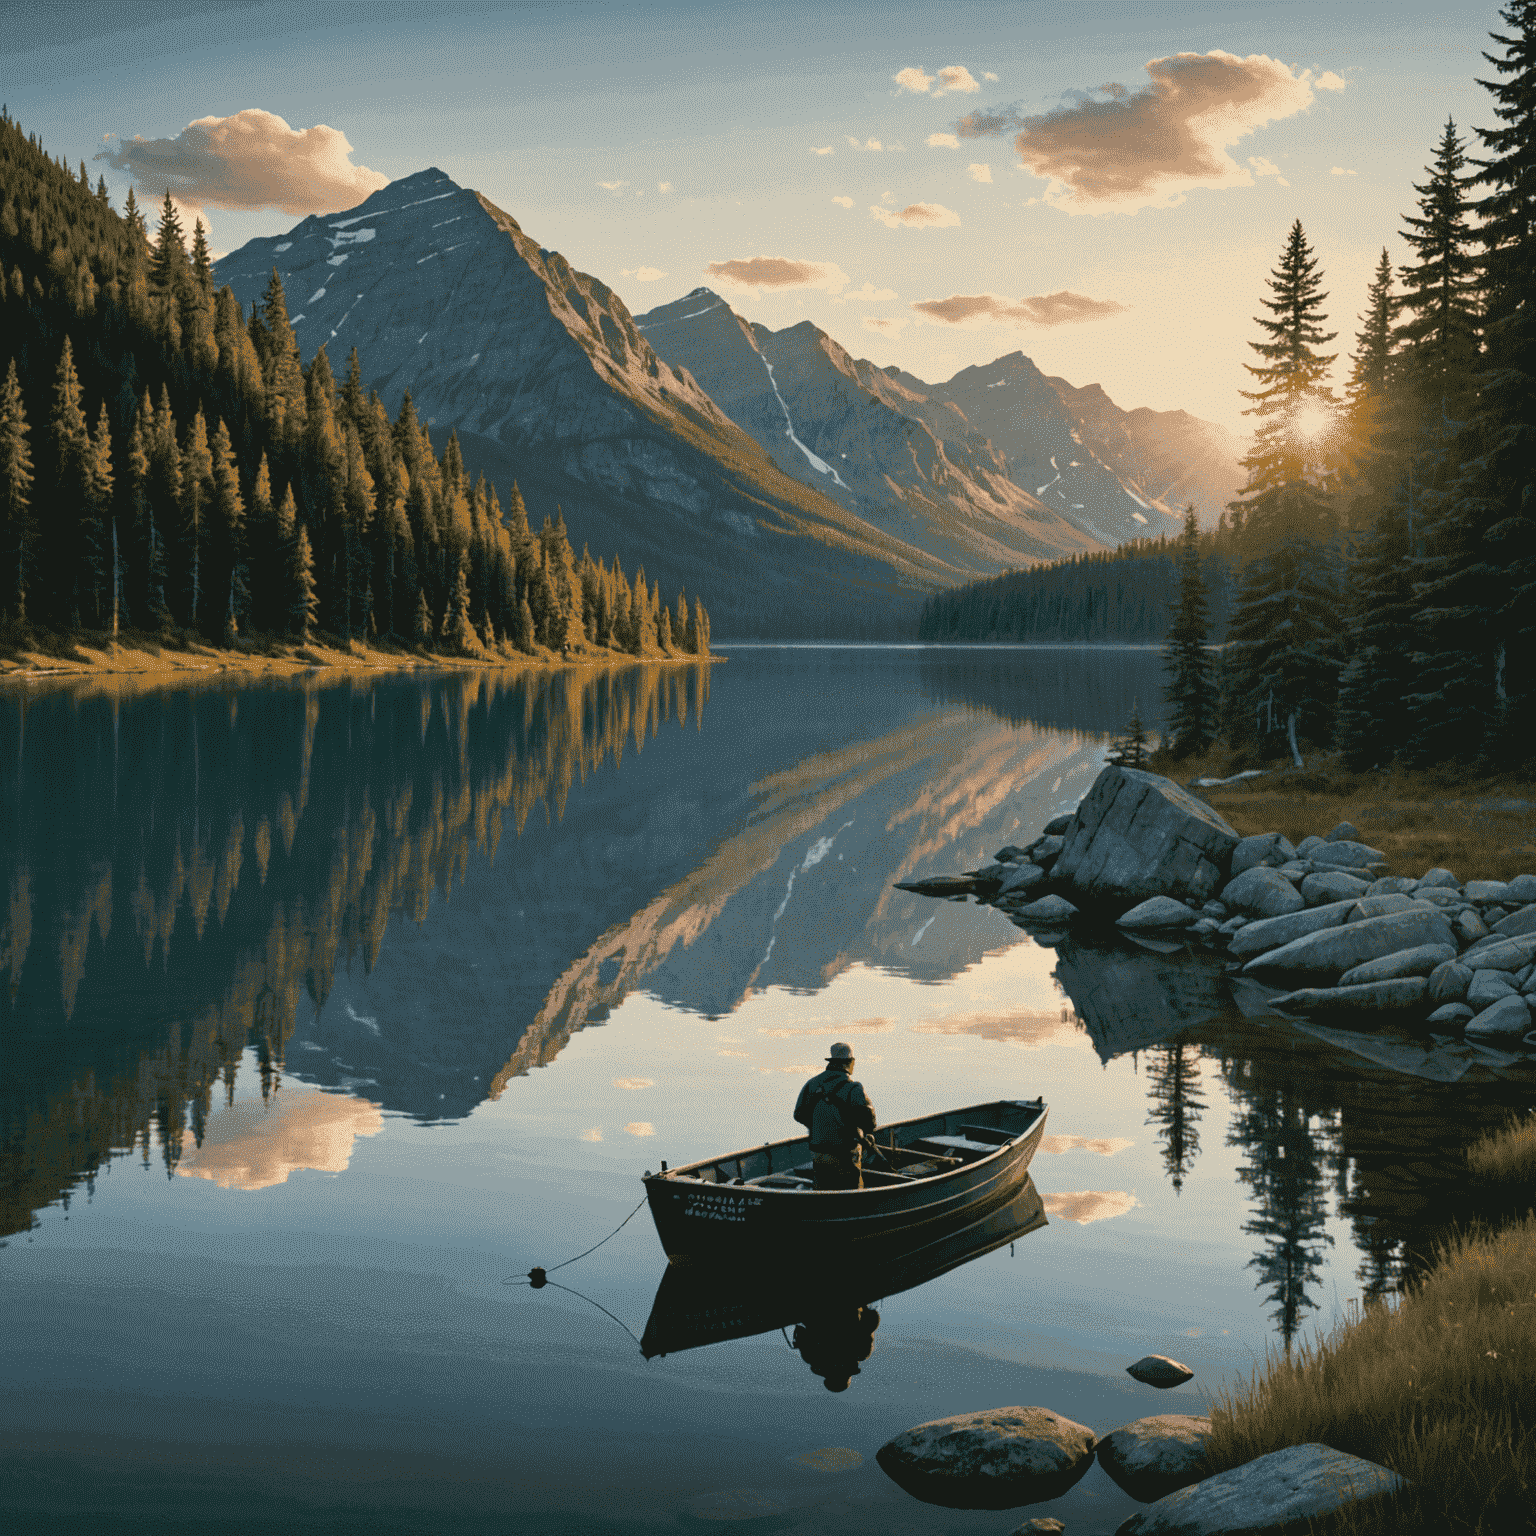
x,y
226,586
1476,681
72,549
1174,1083
1129,748
701,627
277,349
17,525
1191,689
184,546
265,558
664,631
302,599
100,576
523,635
457,630
421,632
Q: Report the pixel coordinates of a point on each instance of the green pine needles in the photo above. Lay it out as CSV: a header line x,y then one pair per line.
x,y
1190,694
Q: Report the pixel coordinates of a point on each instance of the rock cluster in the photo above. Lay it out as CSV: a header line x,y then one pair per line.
x,y
1322,920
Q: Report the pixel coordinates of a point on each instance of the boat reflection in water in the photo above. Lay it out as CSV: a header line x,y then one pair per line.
x,y
701,1303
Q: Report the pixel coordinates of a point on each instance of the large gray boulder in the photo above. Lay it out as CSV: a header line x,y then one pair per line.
x,y
1047,912
1405,994
996,1459
1421,961
1522,889
1517,924
1438,877
1403,885
1272,932
1507,1020
1380,906
1328,954
1156,1455
1262,892
1269,848
1021,877
1448,983
1138,834
1487,987
1345,832
1284,1490
1486,893
1157,912
1498,953
1347,855
1327,886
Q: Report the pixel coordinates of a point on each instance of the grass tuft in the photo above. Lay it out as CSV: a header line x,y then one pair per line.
x,y
1437,1386
1506,1159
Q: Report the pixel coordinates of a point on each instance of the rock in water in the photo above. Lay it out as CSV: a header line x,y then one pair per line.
x,y
1138,834
1159,1371
1328,954
1283,1490
1157,912
1405,994
1508,1019
996,1459
1154,1456
1422,961
1262,892
1020,878
1048,912
939,885
1272,932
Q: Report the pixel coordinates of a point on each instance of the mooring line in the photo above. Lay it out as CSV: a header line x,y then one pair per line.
x,y
538,1277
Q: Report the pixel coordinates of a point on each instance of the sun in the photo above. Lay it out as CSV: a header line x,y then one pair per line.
x,y
1311,422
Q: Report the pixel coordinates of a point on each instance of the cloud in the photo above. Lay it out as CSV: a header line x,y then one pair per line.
x,y
613,186
1102,1146
644,274
873,145
871,293
250,160
663,186
779,272
953,77
1043,309
1339,170
843,202
987,75
943,141
825,151
1085,1205
1115,149
1032,1030
634,1082
918,216
1264,167
979,173
887,326
639,1128
1328,81
592,1133
255,1146
875,1025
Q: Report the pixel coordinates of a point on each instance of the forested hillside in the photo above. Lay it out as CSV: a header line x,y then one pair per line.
x,y
167,463
1120,595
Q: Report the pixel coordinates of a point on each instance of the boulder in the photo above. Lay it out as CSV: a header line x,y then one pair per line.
x,y
1021,877
1522,889
996,1459
1469,926
940,885
1272,932
1010,854
1159,1371
1157,912
1420,961
1448,983
1046,850
1154,1456
1345,832
1328,954
1346,855
1517,923
1379,906
1048,912
1447,897
1498,953
1328,886
1267,848
1486,893
1306,846
1138,834
1390,885
1487,987
1296,871
1450,1016
1284,1490
1262,892
1058,825
1438,877
1402,995
1508,1019
1217,910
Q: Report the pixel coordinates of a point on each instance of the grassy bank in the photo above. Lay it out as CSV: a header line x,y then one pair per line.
x,y
182,657
1482,829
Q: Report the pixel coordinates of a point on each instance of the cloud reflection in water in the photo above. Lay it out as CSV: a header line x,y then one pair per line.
x,y
256,1146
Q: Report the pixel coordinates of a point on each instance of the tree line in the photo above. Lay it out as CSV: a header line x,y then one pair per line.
x,y
167,462
1123,594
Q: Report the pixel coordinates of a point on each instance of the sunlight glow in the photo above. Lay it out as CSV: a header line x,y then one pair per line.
x,y
1311,422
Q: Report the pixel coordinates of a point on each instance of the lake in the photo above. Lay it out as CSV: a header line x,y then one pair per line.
x,y
335,1005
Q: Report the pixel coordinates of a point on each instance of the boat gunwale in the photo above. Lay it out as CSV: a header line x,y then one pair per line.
x,y
1037,1104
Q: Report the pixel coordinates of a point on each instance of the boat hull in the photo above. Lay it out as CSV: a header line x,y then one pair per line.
x,y
698,1216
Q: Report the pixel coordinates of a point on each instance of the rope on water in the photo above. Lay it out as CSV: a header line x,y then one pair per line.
x,y
538,1277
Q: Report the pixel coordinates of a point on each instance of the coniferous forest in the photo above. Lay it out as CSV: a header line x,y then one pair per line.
x,y
1382,556
167,464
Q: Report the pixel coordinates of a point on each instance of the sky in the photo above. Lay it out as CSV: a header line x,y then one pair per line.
x,y
1102,186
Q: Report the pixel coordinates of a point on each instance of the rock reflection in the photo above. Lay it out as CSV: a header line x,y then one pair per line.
x,y
833,1315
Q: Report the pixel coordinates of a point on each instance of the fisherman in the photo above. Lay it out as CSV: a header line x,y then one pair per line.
x,y
838,1115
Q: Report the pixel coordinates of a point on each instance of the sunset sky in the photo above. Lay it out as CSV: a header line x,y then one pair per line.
x,y
1103,186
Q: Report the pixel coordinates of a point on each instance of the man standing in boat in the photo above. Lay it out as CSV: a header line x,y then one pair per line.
x,y
839,1116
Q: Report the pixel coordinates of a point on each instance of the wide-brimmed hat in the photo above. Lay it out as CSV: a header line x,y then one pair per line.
x,y
840,1052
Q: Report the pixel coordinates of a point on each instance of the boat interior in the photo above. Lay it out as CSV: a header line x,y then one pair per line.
x,y
904,1153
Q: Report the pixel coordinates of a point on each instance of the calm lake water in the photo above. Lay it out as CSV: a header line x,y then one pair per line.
x,y
333,1006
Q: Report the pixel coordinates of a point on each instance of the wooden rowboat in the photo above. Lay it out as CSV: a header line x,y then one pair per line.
x,y
933,1174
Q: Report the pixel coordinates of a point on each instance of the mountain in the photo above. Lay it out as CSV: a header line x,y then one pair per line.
x,y
543,374
877,442
1000,458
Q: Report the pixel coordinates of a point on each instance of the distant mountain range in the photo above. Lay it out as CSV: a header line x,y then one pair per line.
x,y
797,490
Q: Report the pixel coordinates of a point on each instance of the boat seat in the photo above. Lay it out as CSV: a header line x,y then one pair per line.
x,y
780,1181
987,1134
955,1146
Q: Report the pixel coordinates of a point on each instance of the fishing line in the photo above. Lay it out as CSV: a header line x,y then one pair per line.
x,y
580,1297
538,1277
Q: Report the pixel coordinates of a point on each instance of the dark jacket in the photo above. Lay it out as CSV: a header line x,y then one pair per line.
x,y
835,1111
